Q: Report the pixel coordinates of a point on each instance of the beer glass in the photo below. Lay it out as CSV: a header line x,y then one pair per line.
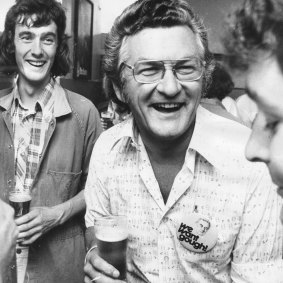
x,y
20,201
111,234
107,119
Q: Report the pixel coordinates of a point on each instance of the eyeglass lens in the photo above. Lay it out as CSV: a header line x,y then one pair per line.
x,y
153,71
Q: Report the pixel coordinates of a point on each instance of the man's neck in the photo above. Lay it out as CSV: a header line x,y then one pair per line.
x,y
30,93
168,150
167,159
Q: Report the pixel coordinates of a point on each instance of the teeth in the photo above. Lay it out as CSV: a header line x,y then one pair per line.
x,y
36,63
168,105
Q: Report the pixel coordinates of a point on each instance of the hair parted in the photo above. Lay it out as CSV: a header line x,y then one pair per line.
x,y
151,14
46,11
257,26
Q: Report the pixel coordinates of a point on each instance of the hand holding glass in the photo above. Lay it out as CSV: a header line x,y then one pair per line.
x,y
111,235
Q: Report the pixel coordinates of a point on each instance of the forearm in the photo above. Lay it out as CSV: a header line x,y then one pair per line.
x,y
71,207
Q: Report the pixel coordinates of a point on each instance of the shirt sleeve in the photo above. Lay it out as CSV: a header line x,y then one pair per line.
x,y
93,131
96,195
257,253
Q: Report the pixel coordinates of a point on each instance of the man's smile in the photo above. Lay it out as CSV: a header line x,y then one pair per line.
x,y
36,63
167,107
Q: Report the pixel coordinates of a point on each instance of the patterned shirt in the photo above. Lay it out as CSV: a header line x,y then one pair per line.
x,y
29,129
238,196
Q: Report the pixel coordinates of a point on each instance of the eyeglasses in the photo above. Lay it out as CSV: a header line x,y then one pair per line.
x,y
152,71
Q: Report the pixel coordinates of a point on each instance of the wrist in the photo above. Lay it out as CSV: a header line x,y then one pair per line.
x,y
89,251
64,211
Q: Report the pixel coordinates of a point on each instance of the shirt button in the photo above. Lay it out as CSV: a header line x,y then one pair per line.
x,y
9,182
165,220
10,146
166,258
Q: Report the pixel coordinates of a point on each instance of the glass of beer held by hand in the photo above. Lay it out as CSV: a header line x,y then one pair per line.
x,y
111,234
20,201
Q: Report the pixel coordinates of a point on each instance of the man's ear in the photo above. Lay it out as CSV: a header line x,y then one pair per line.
x,y
118,92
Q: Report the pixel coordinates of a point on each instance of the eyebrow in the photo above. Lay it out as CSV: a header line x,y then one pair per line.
x,y
42,35
50,34
24,33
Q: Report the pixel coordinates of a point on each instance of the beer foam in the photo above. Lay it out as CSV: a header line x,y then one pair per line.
x,y
19,198
110,234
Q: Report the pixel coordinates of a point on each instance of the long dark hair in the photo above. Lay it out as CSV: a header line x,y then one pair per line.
x,y
46,11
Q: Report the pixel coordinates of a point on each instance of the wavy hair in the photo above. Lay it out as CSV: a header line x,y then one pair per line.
x,y
256,26
46,11
150,14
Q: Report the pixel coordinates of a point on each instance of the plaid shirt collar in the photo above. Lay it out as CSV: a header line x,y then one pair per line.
x,y
42,102
61,102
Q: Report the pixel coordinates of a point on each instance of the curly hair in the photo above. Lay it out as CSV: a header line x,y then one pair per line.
x,y
46,11
150,14
256,27
221,83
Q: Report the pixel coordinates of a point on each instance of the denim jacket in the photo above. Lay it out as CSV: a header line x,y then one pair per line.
x,y
58,256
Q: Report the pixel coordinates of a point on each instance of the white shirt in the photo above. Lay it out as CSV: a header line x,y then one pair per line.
x,y
217,179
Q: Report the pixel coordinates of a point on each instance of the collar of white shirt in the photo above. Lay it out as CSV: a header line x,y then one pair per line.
x,y
219,140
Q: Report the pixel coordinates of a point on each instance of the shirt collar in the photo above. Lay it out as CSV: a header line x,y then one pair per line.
x,y
219,140
61,103
127,136
43,100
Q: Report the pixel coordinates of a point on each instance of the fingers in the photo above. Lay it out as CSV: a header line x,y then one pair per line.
x,y
29,241
30,227
102,279
27,217
99,270
29,232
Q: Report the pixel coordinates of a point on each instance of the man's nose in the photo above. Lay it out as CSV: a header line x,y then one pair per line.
x,y
37,48
169,85
257,148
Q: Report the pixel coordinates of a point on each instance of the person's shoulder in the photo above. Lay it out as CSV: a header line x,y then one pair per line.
x,y
79,102
222,140
84,110
5,91
109,140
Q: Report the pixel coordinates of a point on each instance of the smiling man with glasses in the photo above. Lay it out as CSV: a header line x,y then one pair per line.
x,y
173,162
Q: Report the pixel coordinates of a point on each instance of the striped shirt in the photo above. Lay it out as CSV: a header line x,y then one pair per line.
x,y
29,129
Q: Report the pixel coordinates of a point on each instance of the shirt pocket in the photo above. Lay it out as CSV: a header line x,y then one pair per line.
x,y
65,184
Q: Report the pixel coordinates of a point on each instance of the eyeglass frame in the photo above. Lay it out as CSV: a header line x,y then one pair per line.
x,y
202,63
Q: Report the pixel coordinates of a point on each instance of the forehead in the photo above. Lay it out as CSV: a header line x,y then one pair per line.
x,y
162,43
50,28
264,83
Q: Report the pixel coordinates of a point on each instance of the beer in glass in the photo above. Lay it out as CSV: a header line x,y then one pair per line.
x,y
111,235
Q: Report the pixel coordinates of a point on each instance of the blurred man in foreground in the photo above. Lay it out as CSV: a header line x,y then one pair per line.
x,y
255,45
8,236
